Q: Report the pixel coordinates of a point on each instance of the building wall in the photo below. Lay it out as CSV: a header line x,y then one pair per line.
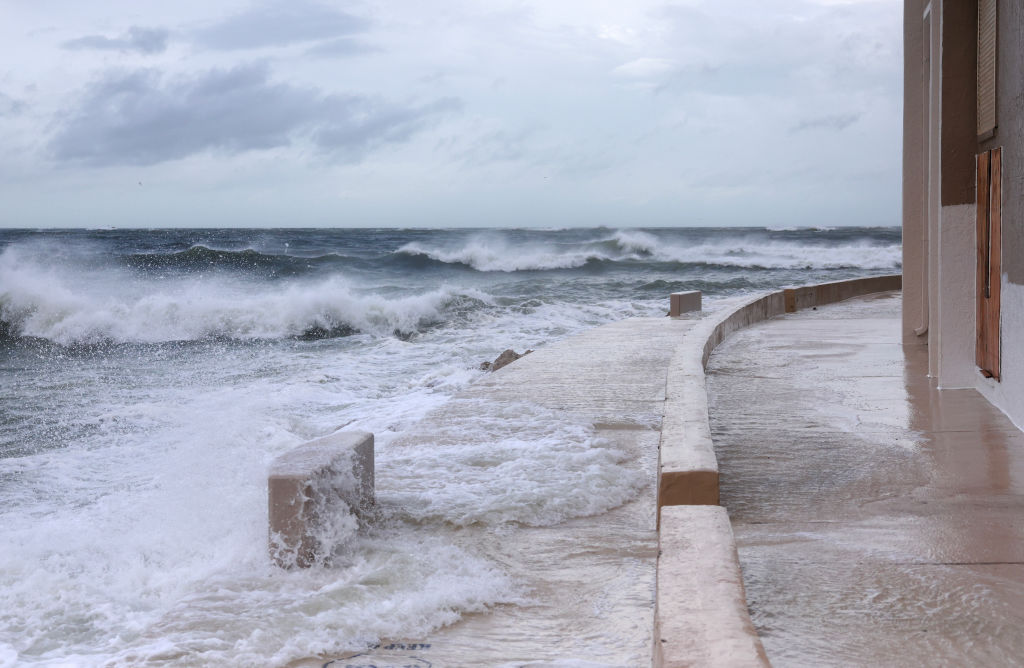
x,y
915,177
932,101
955,320
939,181
952,342
1008,394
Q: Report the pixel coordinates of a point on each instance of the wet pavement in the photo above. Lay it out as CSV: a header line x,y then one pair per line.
x,y
879,521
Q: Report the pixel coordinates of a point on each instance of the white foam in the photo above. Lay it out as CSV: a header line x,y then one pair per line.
x,y
636,242
75,305
148,541
495,463
754,252
395,584
493,252
798,228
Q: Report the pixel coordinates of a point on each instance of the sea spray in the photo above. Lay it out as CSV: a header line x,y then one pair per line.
x,y
63,306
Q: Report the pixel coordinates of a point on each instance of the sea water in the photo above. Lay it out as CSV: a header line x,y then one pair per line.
x,y
149,377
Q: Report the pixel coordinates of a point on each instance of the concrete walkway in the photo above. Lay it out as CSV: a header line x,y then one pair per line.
x,y
589,582
879,522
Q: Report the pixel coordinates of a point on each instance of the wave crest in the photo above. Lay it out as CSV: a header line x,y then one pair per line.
x,y
498,255
636,242
201,258
494,253
69,309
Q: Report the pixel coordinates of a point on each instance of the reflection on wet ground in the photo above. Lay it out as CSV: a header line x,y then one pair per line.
x,y
879,521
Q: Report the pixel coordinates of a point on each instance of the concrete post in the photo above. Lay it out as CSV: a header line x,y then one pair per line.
x,y
333,474
683,302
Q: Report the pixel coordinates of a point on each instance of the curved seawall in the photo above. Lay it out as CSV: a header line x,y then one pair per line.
x,y
688,471
701,617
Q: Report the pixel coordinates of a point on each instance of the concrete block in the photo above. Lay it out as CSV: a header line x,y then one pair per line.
x,y
688,487
684,302
333,474
687,467
800,298
701,617
828,293
809,296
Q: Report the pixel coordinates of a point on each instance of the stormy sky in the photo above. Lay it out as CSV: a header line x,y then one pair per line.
x,y
134,113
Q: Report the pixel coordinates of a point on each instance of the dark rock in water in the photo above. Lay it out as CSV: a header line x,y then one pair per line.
x,y
503,359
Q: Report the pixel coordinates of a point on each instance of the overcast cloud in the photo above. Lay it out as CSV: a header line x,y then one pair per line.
x,y
279,24
721,112
9,106
144,117
142,40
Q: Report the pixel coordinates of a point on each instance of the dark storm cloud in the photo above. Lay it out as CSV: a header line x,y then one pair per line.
x,y
143,118
280,24
141,40
835,122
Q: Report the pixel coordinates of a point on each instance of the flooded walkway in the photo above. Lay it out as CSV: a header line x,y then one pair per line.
x,y
587,581
879,522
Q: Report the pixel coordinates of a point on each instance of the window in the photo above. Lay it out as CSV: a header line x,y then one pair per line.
x,y
986,68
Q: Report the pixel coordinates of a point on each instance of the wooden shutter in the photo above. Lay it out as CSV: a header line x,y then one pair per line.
x,y
990,168
987,68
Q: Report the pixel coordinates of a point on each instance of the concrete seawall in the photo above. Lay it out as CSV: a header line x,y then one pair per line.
x,y
688,471
701,616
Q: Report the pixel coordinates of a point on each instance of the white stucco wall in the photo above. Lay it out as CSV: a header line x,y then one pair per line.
x,y
934,182
1008,393
955,307
916,37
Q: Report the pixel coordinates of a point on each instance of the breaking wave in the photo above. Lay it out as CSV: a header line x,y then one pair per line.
x,y
263,264
69,308
494,253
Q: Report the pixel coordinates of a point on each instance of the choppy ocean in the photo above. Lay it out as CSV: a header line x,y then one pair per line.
x,y
148,377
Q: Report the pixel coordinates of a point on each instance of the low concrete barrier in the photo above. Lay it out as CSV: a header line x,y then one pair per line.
x,y
687,466
701,617
329,475
688,469
828,293
684,302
